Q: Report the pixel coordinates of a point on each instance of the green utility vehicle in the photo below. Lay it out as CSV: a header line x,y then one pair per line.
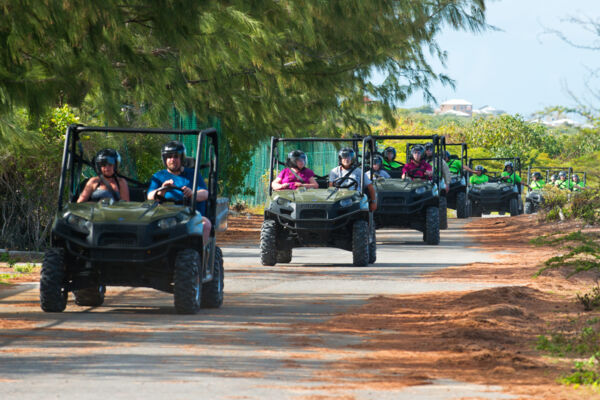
x,y
535,193
412,202
497,194
140,243
457,196
329,216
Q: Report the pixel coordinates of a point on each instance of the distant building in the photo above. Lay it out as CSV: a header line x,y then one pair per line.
x,y
488,110
456,107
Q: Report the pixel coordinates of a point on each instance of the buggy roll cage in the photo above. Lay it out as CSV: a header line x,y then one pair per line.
x,y
548,170
516,163
274,153
70,156
438,143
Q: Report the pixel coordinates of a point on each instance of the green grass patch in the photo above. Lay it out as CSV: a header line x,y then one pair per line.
x,y
25,269
582,251
4,279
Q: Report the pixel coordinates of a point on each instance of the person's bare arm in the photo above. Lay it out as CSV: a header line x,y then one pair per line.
x,y
372,197
86,193
124,189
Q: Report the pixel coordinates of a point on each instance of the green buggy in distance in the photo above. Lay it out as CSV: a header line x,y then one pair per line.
x,y
535,197
407,203
140,243
496,194
457,196
325,217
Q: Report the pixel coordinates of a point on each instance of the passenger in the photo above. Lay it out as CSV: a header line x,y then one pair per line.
x,y
479,176
429,150
107,184
577,184
563,183
347,168
537,182
417,167
175,183
454,164
295,175
389,157
553,179
378,172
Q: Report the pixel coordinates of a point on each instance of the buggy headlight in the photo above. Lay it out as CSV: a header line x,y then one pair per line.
x,y
281,201
167,223
506,188
80,224
475,189
420,190
346,202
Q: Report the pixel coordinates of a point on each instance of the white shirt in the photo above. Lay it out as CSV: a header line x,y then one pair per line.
x,y
339,172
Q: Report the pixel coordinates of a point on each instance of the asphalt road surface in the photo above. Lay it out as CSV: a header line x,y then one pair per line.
x,y
135,346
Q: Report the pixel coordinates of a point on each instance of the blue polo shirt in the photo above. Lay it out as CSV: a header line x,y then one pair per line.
x,y
186,178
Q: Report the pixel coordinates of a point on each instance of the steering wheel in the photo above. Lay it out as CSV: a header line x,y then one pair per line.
x,y
411,173
338,183
161,198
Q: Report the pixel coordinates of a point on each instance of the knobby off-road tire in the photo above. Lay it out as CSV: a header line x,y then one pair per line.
x,y
212,292
90,297
53,295
372,246
443,212
187,291
268,242
360,243
432,225
284,256
513,207
528,207
461,205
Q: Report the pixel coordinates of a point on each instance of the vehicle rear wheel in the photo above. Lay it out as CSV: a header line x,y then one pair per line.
x,y
268,242
514,207
372,246
212,292
186,277
528,207
91,296
284,256
53,294
432,225
461,205
360,243
443,212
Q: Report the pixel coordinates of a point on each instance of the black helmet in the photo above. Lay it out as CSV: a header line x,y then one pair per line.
x,y
377,159
417,149
172,147
575,176
479,168
447,154
508,164
537,175
429,146
390,149
107,156
293,157
346,152
561,174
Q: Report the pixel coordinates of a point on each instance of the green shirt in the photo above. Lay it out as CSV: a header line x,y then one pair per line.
x,y
513,178
478,179
537,184
389,165
455,166
565,184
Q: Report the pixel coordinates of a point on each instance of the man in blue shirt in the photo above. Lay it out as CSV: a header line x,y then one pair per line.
x,y
176,175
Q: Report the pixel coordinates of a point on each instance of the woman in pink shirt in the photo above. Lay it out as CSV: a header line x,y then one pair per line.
x,y
296,174
417,168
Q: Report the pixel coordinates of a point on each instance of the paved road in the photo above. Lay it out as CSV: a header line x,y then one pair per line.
x,y
135,346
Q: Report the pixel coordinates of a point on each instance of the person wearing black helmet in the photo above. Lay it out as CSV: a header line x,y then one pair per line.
x,y
347,168
175,175
295,174
577,184
509,174
537,182
106,184
429,149
563,183
454,164
377,168
417,167
389,156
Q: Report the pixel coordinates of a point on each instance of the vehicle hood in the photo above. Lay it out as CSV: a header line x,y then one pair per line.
x,y
493,186
404,185
329,195
123,212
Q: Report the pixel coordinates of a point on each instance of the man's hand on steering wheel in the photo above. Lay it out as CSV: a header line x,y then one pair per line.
x,y
344,182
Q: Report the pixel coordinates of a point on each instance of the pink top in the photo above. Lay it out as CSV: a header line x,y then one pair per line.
x,y
287,176
420,169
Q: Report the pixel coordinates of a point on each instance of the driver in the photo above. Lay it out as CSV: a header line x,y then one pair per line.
x,y
429,149
578,185
176,176
479,176
348,169
389,155
562,182
417,167
295,174
509,175
107,184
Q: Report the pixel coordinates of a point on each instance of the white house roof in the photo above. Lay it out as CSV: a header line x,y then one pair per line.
x,y
457,102
455,112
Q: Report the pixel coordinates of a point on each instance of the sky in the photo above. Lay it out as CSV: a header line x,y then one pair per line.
x,y
518,69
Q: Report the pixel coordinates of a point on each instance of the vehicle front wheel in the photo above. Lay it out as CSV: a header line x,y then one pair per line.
x,y
53,294
212,292
90,297
461,205
360,243
372,246
432,226
443,212
268,242
528,207
514,207
186,277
